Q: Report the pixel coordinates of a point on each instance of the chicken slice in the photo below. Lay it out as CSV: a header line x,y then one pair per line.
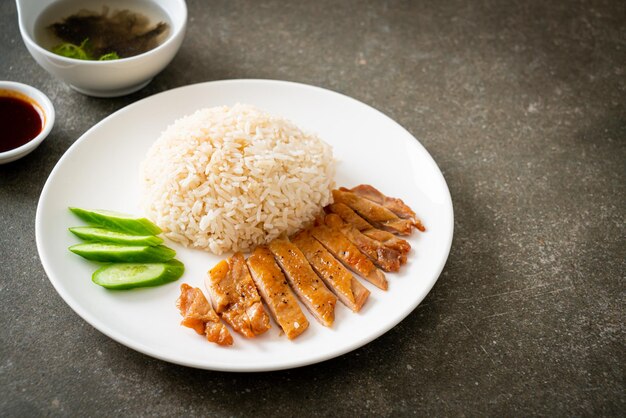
x,y
386,238
395,205
374,213
349,255
276,294
199,315
348,289
349,216
384,257
305,282
235,297
389,240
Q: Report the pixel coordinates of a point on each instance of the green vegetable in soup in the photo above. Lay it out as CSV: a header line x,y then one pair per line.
x,y
82,52
70,50
130,275
123,253
108,57
92,233
116,221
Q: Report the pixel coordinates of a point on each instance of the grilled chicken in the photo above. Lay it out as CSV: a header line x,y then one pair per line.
x,y
389,240
395,205
235,297
274,290
377,215
384,257
386,238
199,315
348,289
349,255
304,281
349,216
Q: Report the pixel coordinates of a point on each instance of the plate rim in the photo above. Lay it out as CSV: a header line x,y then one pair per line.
x,y
95,322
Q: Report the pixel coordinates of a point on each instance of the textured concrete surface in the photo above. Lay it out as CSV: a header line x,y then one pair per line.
x,y
522,104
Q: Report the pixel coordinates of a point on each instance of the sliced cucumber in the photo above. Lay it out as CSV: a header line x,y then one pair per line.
x,y
92,233
129,275
118,221
123,253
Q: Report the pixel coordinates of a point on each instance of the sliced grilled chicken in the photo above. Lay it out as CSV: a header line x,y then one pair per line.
x,y
235,297
276,294
305,282
389,240
384,257
348,289
349,216
199,315
377,215
395,205
349,255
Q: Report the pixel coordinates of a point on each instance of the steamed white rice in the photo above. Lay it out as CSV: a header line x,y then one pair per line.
x,y
231,178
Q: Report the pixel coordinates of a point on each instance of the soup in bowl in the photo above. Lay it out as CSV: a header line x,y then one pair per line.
x,y
66,38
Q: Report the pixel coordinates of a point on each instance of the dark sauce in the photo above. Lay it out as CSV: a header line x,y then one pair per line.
x,y
20,121
124,32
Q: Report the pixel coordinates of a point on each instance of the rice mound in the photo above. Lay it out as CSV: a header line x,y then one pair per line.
x,y
231,178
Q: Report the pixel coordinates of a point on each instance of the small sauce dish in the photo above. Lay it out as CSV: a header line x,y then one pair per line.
x,y
31,120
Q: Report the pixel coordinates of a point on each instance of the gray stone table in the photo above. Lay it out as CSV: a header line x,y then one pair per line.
x,y
523,106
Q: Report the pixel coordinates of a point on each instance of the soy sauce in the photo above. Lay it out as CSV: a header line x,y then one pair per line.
x,y
20,122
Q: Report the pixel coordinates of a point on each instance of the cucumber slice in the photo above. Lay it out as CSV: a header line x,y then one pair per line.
x,y
123,253
92,233
130,275
118,221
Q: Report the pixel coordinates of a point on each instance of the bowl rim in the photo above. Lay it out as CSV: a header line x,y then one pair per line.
x,y
46,106
170,39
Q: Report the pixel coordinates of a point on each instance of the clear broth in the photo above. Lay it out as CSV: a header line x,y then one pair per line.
x,y
59,11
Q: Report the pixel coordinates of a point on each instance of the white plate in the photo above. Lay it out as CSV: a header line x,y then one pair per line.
x,y
100,170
